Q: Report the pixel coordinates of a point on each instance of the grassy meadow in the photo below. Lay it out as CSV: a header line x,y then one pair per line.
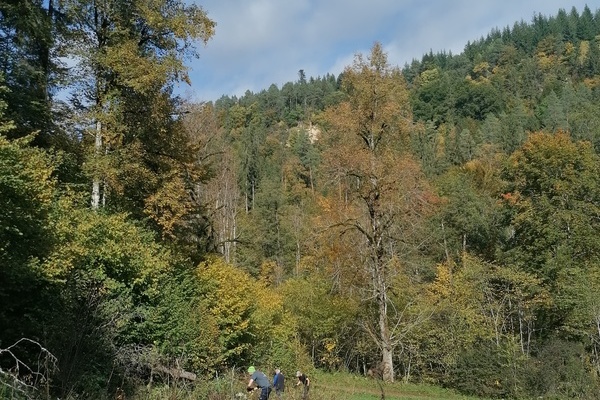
x,y
324,386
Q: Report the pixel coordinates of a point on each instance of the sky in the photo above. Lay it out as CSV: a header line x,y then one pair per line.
x,y
262,42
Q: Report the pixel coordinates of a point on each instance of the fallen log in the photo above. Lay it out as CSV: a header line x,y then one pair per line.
x,y
176,372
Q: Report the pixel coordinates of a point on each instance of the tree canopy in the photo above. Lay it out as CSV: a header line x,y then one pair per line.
x,y
435,222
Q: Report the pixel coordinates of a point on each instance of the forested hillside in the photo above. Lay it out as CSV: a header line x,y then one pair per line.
x,y
436,222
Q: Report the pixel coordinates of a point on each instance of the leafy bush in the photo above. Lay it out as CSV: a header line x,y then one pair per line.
x,y
490,371
560,371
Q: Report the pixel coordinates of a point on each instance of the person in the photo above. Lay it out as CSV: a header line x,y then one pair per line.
x,y
261,381
279,383
303,379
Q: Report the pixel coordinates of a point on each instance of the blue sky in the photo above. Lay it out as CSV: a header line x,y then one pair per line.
x,y
260,42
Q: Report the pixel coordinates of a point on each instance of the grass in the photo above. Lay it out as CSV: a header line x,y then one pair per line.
x,y
354,387
324,386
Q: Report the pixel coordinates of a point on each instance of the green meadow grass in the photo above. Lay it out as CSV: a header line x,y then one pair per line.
x,y
354,387
324,386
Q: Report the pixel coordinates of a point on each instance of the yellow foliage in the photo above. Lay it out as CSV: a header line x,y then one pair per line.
x,y
484,170
268,316
109,245
480,73
429,76
242,306
169,206
441,287
547,62
592,83
584,49
569,48
230,294
329,355
127,60
457,294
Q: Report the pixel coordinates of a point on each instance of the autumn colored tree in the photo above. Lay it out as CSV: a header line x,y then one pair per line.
x,y
219,194
322,218
552,200
249,314
479,302
381,192
126,50
552,191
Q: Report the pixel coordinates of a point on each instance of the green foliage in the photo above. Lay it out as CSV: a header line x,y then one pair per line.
x,y
552,204
6,124
294,104
105,268
560,371
490,371
29,31
262,234
322,320
179,324
468,219
137,156
483,313
315,194
553,194
430,101
26,193
476,100
327,386
27,189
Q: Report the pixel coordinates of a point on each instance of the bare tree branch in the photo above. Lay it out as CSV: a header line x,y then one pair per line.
x,y
23,377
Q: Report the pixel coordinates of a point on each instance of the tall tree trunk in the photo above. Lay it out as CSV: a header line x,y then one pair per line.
x,y
96,178
45,53
387,347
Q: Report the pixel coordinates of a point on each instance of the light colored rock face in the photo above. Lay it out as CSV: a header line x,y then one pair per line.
x,y
313,133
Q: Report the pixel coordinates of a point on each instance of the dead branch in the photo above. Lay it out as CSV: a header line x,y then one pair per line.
x,y
22,377
176,373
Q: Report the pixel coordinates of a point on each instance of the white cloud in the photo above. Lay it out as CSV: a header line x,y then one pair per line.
x,y
260,42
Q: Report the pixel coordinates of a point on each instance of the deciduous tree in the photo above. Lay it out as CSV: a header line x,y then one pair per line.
x,y
552,200
124,50
382,192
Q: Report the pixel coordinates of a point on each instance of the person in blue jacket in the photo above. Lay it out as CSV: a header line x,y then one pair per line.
x,y
259,380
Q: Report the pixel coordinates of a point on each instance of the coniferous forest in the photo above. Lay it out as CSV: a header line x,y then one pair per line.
x,y
432,223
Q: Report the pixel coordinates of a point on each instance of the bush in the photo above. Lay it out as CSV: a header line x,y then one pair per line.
x,y
490,371
560,371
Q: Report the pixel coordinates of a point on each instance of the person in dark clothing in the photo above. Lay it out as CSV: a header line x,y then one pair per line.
x,y
259,380
279,383
303,379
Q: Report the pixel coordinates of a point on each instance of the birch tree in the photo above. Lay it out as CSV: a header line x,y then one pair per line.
x,y
126,49
382,194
